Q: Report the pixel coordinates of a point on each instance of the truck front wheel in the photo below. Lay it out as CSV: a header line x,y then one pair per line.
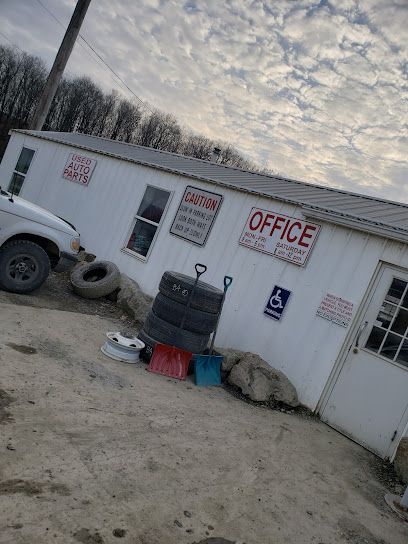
x,y
24,266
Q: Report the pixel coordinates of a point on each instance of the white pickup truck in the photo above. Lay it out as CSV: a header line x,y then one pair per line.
x,y
32,241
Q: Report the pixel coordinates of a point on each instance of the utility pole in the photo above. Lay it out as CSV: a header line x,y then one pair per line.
x,y
60,62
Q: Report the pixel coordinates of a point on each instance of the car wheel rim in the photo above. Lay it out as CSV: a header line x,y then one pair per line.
x,y
22,268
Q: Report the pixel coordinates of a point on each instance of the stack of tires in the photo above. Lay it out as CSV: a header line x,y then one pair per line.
x,y
163,322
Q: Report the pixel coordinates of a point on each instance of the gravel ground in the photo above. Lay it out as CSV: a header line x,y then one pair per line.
x,y
57,294
96,451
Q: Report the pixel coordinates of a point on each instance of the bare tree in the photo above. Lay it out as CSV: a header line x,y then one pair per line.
x,y
160,131
194,145
127,119
106,115
79,104
31,81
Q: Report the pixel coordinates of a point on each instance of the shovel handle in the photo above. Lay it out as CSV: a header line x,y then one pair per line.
x,y
200,269
227,282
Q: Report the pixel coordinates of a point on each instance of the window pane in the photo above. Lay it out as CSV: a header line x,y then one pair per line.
x,y
405,301
16,183
396,290
386,314
403,354
375,339
24,160
391,346
401,322
153,204
141,237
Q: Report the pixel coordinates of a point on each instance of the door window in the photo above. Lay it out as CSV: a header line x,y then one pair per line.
x,y
389,335
20,171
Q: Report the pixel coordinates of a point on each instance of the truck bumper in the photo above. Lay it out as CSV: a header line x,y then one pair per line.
x,y
66,262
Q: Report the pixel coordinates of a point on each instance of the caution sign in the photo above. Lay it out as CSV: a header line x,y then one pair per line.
x,y
196,214
285,237
277,302
79,169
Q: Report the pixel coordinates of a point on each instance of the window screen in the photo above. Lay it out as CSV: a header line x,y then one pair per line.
x,y
389,335
147,220
21,169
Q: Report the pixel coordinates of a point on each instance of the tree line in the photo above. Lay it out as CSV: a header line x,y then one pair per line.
x,y
81,105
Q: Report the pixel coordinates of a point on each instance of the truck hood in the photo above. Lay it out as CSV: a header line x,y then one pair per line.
x,y
30,211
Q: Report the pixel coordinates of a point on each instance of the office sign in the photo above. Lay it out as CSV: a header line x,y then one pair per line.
x,y
276,234
79,169
196,214
336,309
277,302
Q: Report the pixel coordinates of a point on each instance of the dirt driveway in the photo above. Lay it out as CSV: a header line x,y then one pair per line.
x,y
94,451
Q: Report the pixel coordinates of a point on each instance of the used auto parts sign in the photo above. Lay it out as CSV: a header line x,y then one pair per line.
x,y
79,168
285,237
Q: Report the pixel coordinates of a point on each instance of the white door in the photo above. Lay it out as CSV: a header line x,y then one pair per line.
x,y
369,400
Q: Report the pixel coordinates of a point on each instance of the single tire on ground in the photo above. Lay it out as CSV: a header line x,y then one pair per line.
x,y
166,333
96,279
24,266
176,286
172,311
147,352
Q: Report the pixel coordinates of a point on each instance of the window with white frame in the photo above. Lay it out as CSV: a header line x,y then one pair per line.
x,y
21,169
147,220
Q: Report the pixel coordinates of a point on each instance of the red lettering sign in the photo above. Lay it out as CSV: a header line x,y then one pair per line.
x,y
285,237
79,169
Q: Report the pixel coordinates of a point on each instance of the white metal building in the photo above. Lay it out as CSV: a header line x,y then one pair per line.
x,y
320,285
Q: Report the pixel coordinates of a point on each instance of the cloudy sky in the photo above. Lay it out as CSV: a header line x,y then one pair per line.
x,y
316,91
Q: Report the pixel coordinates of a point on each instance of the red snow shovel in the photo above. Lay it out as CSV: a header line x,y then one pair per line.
x,y
170,360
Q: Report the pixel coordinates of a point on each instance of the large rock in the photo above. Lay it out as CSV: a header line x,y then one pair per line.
x,y
132,300
401,460
260,382
231,358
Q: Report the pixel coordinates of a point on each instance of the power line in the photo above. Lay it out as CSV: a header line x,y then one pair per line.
x,y
143,104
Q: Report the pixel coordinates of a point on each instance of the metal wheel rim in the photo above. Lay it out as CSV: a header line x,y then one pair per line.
x,y
22,268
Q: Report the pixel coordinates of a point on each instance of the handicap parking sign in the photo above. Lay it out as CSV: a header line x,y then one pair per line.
x,y
277,302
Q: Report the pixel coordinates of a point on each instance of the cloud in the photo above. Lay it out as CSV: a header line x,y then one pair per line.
x,y
316,90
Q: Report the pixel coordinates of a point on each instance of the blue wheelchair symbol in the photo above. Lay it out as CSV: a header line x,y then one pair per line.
x,y
277,302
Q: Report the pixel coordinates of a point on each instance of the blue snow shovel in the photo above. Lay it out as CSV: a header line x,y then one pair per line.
x,y
207,368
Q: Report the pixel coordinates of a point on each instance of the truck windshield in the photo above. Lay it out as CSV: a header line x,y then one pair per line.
x,y
3,192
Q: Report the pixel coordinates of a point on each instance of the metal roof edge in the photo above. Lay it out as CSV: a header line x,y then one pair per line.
x,y
356,223
39,134
329,215
174,171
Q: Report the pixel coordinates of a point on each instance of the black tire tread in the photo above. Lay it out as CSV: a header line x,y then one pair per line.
x,y
206,298
150,344
95,289
166,333
172,311
37,251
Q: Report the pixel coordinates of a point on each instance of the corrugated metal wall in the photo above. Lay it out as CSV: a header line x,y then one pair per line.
x,y
302,345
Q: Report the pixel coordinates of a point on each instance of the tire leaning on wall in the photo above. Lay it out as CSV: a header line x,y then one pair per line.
x,y
96,279
172,311
166,333
176,286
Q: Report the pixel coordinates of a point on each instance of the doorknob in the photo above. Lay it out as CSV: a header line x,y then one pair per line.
x,y
360,332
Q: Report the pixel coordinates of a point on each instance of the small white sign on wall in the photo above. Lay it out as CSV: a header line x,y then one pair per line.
x,y
336,309
79,169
